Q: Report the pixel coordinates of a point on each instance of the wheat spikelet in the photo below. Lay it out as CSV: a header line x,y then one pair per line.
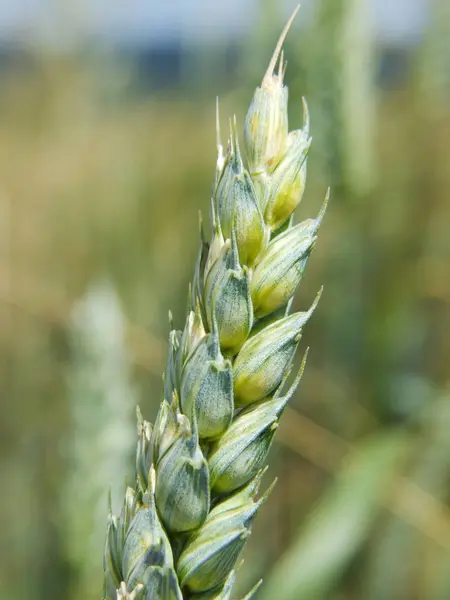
x,y
199,467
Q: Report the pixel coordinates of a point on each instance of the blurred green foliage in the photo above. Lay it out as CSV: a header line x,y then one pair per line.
x,y
99,180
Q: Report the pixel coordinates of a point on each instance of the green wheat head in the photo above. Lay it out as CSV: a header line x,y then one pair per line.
x,y
199,467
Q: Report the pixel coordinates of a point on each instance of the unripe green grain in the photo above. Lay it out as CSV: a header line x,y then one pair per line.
x,y
198,469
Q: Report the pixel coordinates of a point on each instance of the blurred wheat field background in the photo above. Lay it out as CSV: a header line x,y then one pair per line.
x,y
104,164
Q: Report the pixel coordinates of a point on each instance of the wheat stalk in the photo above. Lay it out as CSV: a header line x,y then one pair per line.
x,y
183,526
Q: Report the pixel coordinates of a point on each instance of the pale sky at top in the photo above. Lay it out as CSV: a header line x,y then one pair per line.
x,y
158,20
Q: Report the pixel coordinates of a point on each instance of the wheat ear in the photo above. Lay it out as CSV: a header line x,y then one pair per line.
x,y
198,468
